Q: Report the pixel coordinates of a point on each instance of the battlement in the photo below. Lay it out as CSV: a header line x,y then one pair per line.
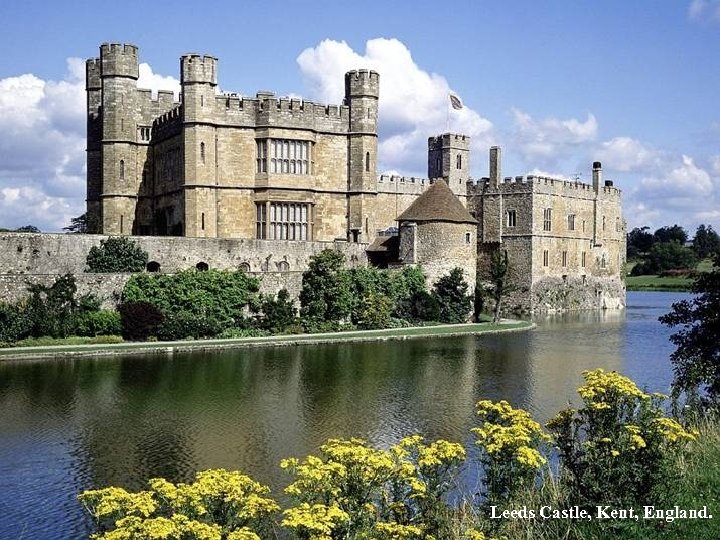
x,y
173,115
408,185
449,140
119,60
93,72
362,83
197,68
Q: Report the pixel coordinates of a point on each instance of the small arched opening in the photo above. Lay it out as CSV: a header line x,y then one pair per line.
x,y
202,266
245,267
153,266
283,266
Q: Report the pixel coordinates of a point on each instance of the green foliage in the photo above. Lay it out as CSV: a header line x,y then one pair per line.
x,y
14,323
326,293
670,234
420,306
51,310
117,254
500,278
103,322
665,256
46,341
451,293
277,314
84,224
616,446
140,320
374,311
639,241
197,304
706,242
696,360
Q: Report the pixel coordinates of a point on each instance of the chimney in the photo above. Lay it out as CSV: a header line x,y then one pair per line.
x,y
597,176
495,167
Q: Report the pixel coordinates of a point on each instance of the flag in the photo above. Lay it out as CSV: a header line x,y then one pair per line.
x,y
455,102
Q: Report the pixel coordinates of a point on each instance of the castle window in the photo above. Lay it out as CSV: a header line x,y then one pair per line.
x,y
604,223
617,224
367,161
458,161
603,262
153,266
261,155
245,267
202,266
547,219
143,133
583,225
511,220
564,258
122,223
288,157
468,237
122,169
202,100
202,152
546,257
571,222
283,266
286,221
202,221
582,259
438,171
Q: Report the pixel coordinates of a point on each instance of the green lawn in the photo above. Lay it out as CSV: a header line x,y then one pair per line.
x,y
656,283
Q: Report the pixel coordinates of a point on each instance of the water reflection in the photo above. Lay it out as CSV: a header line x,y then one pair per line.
x,y
72,424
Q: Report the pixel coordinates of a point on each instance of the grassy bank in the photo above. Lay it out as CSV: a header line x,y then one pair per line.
x,y
657,283
86,346
696,483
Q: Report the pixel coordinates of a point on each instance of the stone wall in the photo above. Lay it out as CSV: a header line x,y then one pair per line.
x,y
553,294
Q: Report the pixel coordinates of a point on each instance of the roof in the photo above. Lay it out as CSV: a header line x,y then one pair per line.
x,y
437,203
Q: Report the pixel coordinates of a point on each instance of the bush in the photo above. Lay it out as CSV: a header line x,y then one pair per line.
x,y
104,322
14,323
117,254
51,310
277,314
139,320
197,304
374,311
420,306
616,446
326,294
451,293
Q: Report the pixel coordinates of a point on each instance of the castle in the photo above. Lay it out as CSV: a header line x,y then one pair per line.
x,y
222,166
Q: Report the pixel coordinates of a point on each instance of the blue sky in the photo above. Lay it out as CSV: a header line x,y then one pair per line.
x,y
557,84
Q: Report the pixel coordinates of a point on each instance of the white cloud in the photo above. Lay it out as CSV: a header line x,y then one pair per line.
x,y
685,180
627,155
413,102
148,79
546,142
707,10
42,145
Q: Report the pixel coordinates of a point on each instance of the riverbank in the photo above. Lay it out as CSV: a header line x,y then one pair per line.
x,y
165,347
657,283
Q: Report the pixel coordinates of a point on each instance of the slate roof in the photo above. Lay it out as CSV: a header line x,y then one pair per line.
x,y
437,203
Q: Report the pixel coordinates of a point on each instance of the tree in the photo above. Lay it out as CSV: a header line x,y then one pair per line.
x,y
706,242
326,294
639,240
696,361
451,293
117,254
666,256
28,229
51,309
500,274
277,313
84,224
671,234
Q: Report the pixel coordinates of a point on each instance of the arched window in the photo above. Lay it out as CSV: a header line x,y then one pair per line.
x,y
245,267
202,266
458,162
153,266
122,169
367,161
547,219
283,266
202,221
202,152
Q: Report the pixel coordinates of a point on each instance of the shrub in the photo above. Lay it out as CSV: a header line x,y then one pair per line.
x,y
616,445
420,306
51,310
197,304
374,311
219,504
117,254
139,320
326,293
277,314
98,323
451,293
14,323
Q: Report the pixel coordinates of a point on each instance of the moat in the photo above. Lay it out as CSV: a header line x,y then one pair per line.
x,y
69,425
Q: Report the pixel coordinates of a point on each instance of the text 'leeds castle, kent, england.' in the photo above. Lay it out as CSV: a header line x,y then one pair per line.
x,y
287,172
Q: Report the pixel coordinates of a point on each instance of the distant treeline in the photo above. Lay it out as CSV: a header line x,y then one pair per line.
x,y
668,250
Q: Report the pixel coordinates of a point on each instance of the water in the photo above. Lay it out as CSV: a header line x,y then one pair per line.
x,y
70,425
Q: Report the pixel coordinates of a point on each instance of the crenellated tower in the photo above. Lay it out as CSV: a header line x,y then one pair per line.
x,y
362,91
120,178
449,159
93,89
198,77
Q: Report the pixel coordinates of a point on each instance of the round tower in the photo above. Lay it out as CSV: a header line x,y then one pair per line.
x,y
198,78
119,74
93,90
362,92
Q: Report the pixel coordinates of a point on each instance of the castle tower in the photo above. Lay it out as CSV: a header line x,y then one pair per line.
x,y
120,182
449,159
93,89
198,77
361,95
